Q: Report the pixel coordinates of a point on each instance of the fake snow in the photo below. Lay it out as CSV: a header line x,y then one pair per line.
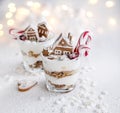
x,y
83,99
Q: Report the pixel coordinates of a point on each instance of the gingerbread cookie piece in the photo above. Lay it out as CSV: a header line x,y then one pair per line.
x,y
32,54
62,46
25,85
37,64
42,30
30,34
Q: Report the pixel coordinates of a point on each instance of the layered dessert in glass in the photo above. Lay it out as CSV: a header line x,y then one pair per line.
x,y
32,40
60,70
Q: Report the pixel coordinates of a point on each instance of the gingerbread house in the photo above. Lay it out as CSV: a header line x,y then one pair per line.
x,y
30,34
42,30
63,45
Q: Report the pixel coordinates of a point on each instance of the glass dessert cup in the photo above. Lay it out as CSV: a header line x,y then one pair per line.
x,y
61,75
58,87
31,53
32,40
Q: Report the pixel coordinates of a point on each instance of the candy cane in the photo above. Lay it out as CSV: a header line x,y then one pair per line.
x,y
86,50
12,33
15,33
86,38
83,38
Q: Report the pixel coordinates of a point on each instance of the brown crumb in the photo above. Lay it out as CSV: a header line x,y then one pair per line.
x,y
37,64
32,54
60,74
60,86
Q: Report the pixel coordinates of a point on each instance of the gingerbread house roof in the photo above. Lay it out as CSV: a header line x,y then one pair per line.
x,y
66,40
31,28
42,30
43,24
30,31
35,27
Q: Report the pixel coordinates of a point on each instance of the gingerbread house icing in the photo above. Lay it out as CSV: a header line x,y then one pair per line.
x,y
42,30
37,33
63,46
30,34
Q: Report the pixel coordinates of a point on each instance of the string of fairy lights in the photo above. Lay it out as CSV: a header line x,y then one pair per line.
x,y
17,14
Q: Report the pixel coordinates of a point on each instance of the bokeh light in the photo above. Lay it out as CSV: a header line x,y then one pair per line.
x,y
112,21
12,9
52,21
10,22
29,3
85,16
93,2
8,15
1,33
21,14
36,5
109,4
10,5
89,14
1,26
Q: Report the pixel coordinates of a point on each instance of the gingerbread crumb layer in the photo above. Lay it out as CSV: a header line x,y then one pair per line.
x,y
37,64
61,86
60,74
31,54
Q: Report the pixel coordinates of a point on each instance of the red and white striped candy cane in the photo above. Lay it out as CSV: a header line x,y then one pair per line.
x,y
82,43
85,38
17,34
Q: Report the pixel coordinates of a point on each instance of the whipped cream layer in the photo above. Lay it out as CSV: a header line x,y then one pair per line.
x,y
31,60
36,47
68,80
56,65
